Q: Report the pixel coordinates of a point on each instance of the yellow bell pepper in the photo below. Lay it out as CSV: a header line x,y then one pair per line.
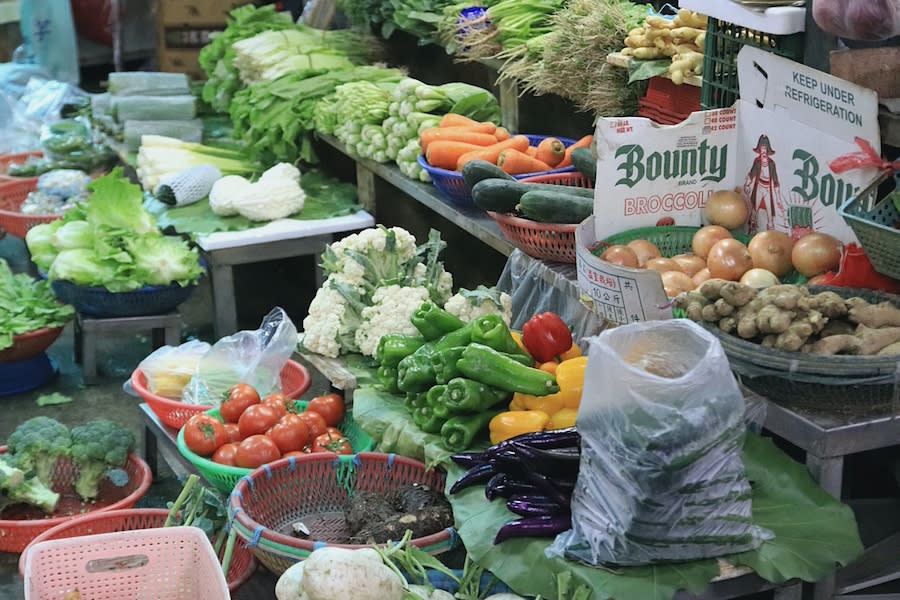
x,y
516,402
548,404
570,378
517,336
549,366
563,418
516,422
573,352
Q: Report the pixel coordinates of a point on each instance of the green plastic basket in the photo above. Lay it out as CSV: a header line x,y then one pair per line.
x,y
671,240
876,229
224,477
724,40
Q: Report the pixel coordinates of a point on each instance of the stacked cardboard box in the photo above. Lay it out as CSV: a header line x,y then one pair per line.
x,y
183,28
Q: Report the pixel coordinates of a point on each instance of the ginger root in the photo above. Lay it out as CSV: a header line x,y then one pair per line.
x,y
871,341
884,314
835,344
890,350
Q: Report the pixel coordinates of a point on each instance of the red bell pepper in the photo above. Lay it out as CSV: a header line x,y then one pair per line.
x,y
546,336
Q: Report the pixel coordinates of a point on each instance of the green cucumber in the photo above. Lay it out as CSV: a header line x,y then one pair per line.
x,y
555,207
502,195
585,162
479,170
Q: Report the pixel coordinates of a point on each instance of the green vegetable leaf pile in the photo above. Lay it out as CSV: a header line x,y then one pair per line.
x,y
27,305
110,240
813,533
325,198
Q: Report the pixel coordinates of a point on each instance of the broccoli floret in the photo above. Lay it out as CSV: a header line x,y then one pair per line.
x,y
10,475
98,446
37,443
33,491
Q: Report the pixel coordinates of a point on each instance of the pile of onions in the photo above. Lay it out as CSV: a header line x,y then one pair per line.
x,y
726,209
728,259
816,253
706,237
771,250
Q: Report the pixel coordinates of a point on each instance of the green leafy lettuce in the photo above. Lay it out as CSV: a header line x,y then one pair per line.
x,y
27,305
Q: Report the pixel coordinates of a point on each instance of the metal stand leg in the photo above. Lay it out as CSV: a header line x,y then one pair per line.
x,y
790,592
223,300
89,356
79,340
157,337
172,336
828,472
151,452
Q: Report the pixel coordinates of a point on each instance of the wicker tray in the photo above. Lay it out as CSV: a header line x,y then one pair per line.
x,y
877,228
858,385
98,301
12,195
26,345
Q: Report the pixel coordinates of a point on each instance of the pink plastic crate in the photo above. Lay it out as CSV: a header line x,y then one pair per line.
x,y
172,563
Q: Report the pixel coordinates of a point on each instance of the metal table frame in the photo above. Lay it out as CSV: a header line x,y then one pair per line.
x,y
827,439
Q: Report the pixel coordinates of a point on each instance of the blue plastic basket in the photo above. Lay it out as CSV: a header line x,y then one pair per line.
x,y
451,185
95,301
24,375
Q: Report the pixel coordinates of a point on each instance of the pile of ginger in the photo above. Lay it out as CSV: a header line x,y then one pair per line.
x,y
790,318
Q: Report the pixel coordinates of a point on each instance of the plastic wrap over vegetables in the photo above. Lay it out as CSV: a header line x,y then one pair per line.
x,y
867,20
662,425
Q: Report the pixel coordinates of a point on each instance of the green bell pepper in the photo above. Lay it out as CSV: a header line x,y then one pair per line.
x,y
459,432
414,400
394,347
426,420
492,368
433,398
432,321
491,331
467,395
387,378
444,364
415,373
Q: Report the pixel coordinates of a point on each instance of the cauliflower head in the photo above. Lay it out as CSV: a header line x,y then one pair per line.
x,y
225,193
392,307
471,304
334,316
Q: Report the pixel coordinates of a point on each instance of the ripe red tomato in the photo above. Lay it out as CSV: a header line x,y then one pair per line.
x,y
330,406
240,396
203,434
277,401
295,454
289,433
224,454
330,443
314,422
256,420
233,431
334,431
256,450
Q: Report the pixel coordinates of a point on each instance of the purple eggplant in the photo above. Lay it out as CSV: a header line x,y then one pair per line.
x,y
477,474
553,438
504,486
547,487
553,463
540,526
534,506
469,459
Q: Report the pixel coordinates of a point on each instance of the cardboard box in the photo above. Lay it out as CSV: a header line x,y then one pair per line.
x,y
773,147
195,12
180,61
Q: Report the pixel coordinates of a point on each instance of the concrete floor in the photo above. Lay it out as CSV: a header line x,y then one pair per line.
x,y
117,357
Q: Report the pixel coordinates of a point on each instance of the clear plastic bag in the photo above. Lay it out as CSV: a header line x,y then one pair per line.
x,y
170,368
254,357
662,425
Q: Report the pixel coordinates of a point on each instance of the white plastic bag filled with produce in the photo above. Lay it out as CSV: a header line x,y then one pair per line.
x,y
662,426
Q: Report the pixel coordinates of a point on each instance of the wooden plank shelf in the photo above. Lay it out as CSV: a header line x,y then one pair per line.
x,y
618,59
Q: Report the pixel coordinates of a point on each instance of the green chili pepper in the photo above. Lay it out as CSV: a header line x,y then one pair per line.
x,y
414,400
490,367
434,399
426,420
432,321
459,432
415,373
394,347
444,364
467,395
387,377
492,331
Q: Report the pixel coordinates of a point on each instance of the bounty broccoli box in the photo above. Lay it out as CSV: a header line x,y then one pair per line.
x,y
773,146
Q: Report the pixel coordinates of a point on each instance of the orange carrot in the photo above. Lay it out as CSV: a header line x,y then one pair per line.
x,y
454,134
531,151
444,154
455,120
502,134
550,151
582,143
515,162
490,154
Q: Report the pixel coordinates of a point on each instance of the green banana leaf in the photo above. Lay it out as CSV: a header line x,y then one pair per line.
x,y
813,533
639,70
326,197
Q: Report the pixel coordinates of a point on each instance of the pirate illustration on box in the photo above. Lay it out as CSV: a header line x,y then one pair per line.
x,y
761,187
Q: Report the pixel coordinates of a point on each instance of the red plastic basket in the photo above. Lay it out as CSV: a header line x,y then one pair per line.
x,y
20,523
242,566
7,160
313,489
295,381
12,195
26,345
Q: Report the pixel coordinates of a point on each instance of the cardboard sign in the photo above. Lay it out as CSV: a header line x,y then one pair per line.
x,y
773,147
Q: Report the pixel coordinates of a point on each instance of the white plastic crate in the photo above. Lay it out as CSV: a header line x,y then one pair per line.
x,y
172,563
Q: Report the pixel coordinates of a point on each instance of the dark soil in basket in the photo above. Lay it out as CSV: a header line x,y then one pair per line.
x,y
68,505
